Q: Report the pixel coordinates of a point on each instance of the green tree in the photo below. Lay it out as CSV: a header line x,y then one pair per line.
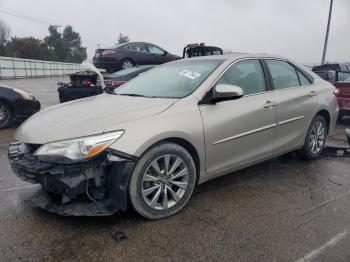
x,y
72,44
65,47
123,38
27,47
55,44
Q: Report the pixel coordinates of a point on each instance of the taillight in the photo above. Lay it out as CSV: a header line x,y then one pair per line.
x,y
336,92
114,83
86,82
108,52
118,83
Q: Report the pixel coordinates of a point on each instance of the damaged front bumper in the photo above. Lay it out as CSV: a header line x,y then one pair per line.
x,y
97,187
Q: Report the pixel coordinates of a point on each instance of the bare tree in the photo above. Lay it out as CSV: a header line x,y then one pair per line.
x,y
4,35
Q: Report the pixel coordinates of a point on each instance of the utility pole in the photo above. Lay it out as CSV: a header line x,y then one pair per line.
x,y
327,33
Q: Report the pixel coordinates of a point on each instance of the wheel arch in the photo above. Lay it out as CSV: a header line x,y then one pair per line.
x,y
128,58
326,115
185,144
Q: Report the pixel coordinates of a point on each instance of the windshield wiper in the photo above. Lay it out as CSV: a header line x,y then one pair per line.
x,y
131,95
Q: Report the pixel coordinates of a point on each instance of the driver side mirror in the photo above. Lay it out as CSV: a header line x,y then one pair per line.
x,y
224,92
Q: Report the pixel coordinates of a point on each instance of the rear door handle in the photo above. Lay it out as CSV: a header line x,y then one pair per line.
x,y
313,93
269,104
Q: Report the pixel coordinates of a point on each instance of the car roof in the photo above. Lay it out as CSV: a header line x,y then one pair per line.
x,y
128,43
236,55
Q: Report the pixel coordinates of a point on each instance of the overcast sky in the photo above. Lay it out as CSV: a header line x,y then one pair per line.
x,y
292,28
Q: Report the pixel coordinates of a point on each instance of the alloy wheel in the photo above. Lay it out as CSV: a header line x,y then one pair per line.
x,y
317,137
4,114
165,182
127,64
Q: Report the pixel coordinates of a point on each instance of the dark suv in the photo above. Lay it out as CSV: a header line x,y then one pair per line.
x,y
336,67
194,50
127,55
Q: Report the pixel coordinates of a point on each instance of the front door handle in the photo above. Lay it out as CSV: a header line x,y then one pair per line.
x,y
269,104
313,93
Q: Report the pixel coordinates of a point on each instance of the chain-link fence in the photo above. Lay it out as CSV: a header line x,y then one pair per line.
x,y
11,68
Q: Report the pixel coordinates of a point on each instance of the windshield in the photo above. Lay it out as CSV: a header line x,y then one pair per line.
x,y
173,80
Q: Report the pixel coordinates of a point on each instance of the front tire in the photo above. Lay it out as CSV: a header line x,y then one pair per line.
x,y
6,115
163,181
315,139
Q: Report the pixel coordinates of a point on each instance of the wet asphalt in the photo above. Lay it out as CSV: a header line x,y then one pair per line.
x,y
281,210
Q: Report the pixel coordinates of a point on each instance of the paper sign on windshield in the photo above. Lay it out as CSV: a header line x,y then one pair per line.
x,y
189,74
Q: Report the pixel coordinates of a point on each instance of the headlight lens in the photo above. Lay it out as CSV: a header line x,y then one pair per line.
x,y
24,94
80,148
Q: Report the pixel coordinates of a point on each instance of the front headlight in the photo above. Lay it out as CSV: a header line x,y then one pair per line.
x,y
79,148
24,94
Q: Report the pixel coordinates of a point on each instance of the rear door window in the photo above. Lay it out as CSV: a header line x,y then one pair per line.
x,y
137,47
283,74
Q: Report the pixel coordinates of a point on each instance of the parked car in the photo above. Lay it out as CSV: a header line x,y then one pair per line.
x,y
333,76
131,54
16,105
341,80
335,67
170,129
342,93
116,79
195,50
82,84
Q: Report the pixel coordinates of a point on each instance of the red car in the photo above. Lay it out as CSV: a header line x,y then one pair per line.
x,y
341,80
342,93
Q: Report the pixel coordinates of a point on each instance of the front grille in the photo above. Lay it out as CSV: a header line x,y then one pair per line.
x,y
24,163
33,147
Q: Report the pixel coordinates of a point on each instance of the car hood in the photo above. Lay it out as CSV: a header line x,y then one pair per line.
x,y
88,116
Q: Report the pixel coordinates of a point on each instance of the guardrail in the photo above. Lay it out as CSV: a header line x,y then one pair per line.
x,y
11,68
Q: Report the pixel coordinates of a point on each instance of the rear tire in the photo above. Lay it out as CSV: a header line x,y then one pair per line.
x,y
163,181
6,115
126,63
315,139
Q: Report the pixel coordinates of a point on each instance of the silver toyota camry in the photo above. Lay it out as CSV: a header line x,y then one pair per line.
x,y
165,132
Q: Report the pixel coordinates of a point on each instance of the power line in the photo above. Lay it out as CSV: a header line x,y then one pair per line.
x,y
35,20
23,16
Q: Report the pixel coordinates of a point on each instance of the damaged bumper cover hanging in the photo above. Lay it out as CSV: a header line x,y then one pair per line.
x,y
95,187
339,151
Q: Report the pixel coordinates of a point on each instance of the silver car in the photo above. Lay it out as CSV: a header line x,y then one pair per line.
x,y
163,133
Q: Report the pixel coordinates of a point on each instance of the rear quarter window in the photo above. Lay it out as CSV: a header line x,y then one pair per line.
x,y
303,80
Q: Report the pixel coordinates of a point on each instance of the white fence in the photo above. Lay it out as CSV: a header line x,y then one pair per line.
x,y
11,68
